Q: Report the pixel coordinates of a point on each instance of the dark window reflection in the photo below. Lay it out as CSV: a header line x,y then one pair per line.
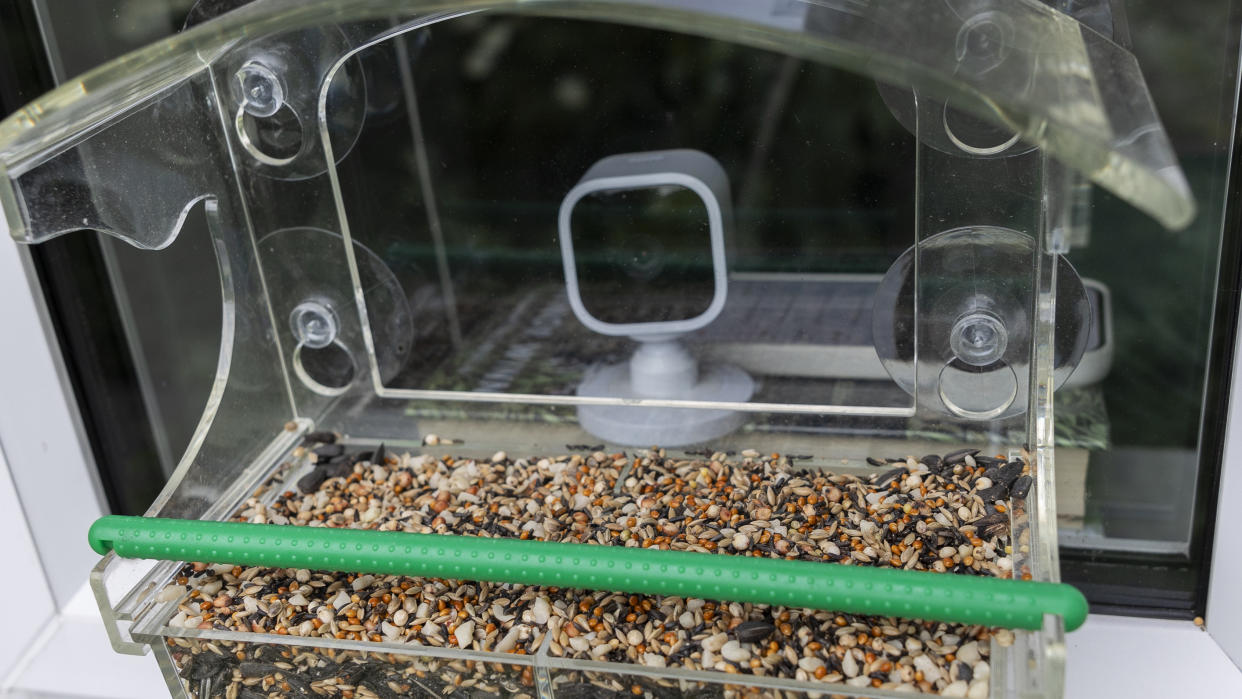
x,y
643,255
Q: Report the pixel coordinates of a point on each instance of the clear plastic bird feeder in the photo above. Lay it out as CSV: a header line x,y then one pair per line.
x,y
527,225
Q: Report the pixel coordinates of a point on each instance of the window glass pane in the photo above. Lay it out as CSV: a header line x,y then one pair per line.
x,y
1136,427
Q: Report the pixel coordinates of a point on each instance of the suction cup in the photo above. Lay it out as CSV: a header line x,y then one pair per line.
x,y
663,369
987,49
311,292
273,101
976,297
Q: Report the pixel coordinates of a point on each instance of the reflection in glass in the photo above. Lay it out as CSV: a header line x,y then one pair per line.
x,y
643,255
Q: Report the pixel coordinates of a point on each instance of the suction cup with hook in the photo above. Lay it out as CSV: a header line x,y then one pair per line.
x,y
311,288
273,92
973,324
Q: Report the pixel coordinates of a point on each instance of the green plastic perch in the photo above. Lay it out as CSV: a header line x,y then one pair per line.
x,y
965,599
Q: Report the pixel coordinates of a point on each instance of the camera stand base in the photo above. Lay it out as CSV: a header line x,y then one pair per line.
x,y
644,426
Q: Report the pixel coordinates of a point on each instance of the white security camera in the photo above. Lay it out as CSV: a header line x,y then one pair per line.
x,y
635,189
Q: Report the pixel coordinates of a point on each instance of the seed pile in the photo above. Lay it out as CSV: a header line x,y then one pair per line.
x,y
946,514
259,671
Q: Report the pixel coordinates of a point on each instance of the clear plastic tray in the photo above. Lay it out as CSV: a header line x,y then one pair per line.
x,y
1031,666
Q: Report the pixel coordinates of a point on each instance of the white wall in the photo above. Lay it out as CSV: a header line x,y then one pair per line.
x,y
49,495
49,462
22,579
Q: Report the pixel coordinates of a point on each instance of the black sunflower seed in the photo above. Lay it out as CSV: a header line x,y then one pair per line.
x,y
753,631
957,457
993,524
252,669
327,451
1005,474
994,493
1020,488
311,481
322,437
887,477
339,469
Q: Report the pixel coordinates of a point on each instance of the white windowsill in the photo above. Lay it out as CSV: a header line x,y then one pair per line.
x,y
1109,656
